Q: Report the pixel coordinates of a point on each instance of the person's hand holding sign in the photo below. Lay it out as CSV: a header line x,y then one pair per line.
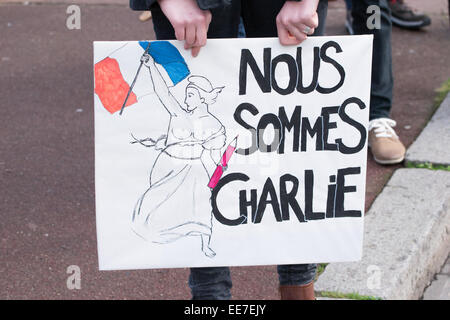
x,y
189,22
297,20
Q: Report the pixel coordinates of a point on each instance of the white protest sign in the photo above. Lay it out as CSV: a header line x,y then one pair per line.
x,y
252,153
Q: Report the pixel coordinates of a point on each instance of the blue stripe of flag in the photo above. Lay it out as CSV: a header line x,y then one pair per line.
x,y
167,55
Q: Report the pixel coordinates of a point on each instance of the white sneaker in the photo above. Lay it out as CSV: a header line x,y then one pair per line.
x,y
384,143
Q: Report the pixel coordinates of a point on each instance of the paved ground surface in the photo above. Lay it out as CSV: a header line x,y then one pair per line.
x,y
47,147
440,287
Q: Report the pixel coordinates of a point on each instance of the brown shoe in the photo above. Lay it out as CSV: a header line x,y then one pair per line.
x,y
300,292
384,142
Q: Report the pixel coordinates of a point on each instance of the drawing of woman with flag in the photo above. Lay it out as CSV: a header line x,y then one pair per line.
x,y
188,155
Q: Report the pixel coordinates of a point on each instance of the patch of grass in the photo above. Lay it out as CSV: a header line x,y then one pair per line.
x,y
352,296
321,268
442,92
427,165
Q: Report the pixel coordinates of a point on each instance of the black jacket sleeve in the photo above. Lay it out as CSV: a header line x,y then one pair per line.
x,y
203,4
141,4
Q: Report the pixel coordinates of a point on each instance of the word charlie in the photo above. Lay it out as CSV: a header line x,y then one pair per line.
x,y
285,201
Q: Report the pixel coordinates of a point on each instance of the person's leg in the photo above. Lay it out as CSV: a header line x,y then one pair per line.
x,y
206,283
297,281
382,79
348,4
210,283
383,141
348,17
241,32
296,274
322,10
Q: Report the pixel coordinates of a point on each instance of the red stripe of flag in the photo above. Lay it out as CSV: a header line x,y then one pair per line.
x,y
110,86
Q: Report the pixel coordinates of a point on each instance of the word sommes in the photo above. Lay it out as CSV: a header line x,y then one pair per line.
x,y
301,127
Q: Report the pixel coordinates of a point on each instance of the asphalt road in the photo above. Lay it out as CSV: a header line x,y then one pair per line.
x,y
47,206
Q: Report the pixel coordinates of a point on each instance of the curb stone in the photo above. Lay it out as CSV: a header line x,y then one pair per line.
x,y
431,146
406,239
440,286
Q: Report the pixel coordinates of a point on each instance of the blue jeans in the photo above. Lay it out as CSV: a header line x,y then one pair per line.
x,y
215,283
348,4
382,78
258,17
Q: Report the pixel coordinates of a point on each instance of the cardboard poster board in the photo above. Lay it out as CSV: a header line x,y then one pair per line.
x,y
251,153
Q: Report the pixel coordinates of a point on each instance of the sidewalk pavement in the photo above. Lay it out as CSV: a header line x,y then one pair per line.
x,y
47,148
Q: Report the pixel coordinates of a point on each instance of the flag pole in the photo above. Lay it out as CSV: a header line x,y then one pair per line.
x,y
134,81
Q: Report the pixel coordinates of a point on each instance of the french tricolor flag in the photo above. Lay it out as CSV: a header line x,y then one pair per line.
x,y
115,87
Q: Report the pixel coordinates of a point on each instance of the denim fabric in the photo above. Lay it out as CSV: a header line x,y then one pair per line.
x,y
241,29
258,16
215,283
296,274
210,283
348,4
382,78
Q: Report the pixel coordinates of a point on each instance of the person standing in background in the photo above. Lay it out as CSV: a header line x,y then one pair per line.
x,y
384,143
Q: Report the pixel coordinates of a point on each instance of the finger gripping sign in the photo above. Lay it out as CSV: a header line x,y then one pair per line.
x,y
252,153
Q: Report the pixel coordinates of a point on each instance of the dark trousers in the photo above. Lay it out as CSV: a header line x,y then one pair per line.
x,y
258,16
215,283
382,79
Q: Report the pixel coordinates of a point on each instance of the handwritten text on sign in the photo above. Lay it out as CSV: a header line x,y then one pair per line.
x,y
252,153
